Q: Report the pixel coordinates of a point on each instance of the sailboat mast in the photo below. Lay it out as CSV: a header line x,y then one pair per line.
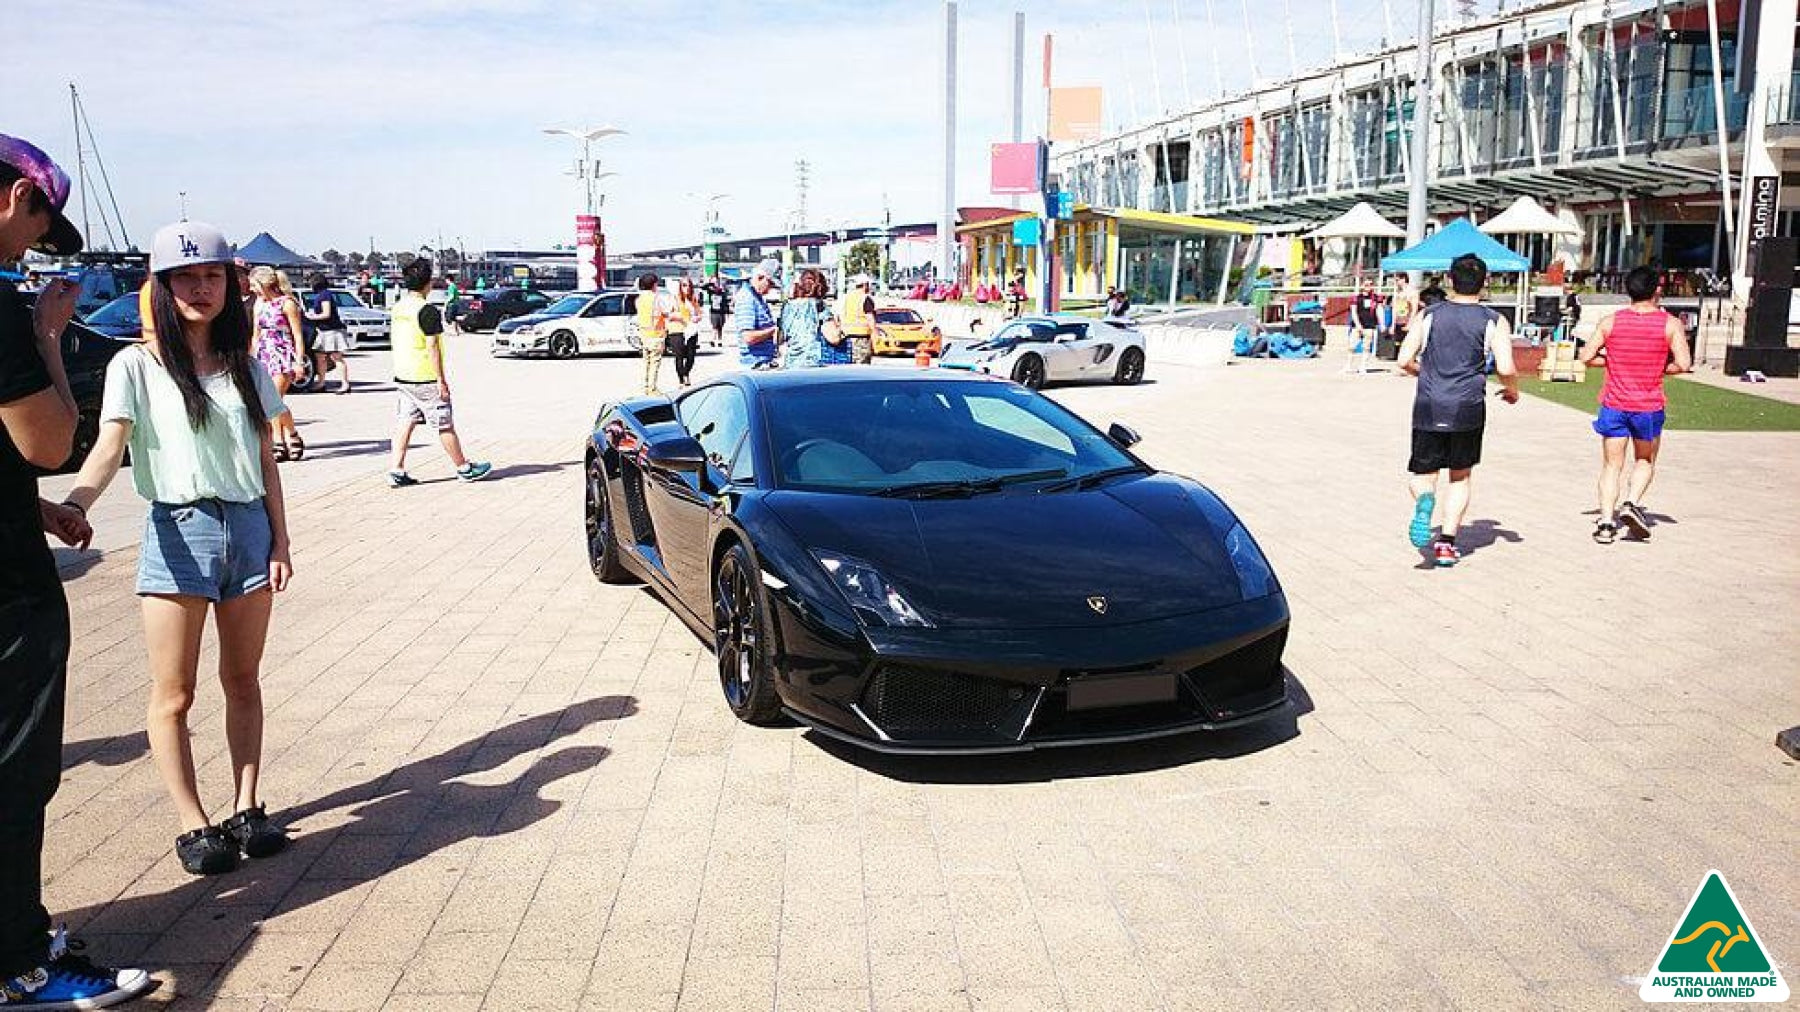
x,y
80,163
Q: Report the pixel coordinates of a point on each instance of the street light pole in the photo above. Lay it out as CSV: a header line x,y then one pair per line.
x,y
1421,139
590,240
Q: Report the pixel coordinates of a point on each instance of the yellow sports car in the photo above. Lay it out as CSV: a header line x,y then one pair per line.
x,y
901,331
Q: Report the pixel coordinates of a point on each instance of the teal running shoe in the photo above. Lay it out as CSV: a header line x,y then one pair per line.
x,y
1420,531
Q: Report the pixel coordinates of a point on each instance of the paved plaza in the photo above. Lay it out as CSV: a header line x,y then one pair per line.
x,y
515,788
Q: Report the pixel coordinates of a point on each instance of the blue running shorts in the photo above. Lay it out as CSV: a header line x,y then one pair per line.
x,y
1615,424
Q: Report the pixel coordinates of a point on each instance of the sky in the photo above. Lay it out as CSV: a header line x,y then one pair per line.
x,y
341,125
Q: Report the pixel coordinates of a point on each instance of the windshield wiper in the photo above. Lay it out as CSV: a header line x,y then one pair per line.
x,y
1087,481
964,486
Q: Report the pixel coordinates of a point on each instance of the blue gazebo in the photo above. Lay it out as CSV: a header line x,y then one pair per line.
x,y
266,250
1453,240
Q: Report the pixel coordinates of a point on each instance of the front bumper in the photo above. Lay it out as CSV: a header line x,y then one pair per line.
x,y
907,344
974,691
519,344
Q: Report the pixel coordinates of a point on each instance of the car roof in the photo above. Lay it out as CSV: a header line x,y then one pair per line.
x,y
1054,319
784,378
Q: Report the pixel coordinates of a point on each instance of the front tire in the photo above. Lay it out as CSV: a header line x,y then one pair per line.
x,y
1131,367
742,642
602,539
562,344
1029,373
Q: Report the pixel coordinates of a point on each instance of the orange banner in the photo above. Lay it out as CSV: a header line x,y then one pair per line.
x,y
1075,114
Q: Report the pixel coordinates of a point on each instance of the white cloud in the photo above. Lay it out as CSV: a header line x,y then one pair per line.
x,y
337,122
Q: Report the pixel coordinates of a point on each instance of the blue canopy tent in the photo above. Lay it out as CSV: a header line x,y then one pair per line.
x,y
264,250
1453,240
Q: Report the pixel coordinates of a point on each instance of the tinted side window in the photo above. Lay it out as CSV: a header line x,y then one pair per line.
x,y
345,300
717,418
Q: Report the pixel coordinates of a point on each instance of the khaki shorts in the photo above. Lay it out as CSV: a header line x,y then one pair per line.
x,y
420,404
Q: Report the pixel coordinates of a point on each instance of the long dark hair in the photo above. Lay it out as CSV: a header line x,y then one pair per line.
x,y
230,336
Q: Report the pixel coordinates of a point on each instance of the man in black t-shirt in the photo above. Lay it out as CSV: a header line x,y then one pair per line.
x,y
718,304
37,426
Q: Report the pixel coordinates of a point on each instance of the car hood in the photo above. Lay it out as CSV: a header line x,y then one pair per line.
x,y
1023,559
518,322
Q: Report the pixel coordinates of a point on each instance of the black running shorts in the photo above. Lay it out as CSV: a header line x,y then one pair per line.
x,y
1433,451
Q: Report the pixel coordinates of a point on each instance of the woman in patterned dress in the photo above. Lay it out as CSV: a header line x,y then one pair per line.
x,y
810,334
280,345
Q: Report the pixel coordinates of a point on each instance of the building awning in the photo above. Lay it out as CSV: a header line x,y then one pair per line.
x,y
1164,221
1590,181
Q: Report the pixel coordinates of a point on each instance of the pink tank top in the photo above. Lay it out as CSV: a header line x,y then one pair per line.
x,y
1637,352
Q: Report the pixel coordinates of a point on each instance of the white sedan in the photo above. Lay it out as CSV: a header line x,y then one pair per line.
x,y
366,326
1034,350
608,323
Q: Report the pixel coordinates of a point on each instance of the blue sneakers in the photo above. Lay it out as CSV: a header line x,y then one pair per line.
x,y
70,981
1420,531
474,470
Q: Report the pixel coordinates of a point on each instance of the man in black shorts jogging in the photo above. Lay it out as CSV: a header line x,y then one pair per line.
x,y
1448,352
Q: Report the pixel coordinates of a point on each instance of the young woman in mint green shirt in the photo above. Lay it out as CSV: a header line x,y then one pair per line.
x,y
193,405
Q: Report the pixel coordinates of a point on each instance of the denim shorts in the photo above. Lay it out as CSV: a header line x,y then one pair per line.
x,y
211,548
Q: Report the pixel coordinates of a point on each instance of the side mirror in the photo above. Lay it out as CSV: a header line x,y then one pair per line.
x,y
676,453
1124,435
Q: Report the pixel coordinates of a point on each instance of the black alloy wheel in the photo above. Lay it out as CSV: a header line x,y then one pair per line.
x,y
741,640
1131,367
602,539
1029,373
562,345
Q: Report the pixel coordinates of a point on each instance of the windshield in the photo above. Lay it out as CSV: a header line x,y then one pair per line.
x,y
897,317
569,304
120,312
873,437
1013,333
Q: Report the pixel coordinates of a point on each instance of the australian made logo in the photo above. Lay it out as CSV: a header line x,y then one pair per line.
x,y
1714,954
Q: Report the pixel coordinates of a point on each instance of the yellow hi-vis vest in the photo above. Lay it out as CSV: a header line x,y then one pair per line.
x,y
652,321
412,353
852,312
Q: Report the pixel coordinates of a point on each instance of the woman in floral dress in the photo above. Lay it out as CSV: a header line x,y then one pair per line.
x,y
280,345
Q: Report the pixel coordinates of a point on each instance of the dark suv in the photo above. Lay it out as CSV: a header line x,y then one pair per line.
x,y
486,309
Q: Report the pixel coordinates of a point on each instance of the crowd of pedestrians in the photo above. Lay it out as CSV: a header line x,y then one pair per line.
x,y
200,405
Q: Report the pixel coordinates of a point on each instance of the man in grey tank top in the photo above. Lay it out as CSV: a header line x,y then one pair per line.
x,y
1448,352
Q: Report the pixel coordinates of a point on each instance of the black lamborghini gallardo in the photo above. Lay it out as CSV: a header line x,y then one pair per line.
x,y
926,561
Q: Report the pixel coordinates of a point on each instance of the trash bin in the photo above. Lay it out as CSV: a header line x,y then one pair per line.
x,y
1308,326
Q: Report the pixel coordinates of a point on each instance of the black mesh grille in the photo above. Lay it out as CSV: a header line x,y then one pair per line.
x,y
920,703
633,480
1247,679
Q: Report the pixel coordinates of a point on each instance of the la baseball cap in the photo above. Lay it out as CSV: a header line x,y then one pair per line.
x,y
63,239
186,244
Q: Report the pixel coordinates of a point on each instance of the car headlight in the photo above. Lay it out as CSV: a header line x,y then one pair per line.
x,y
874,599
1255,577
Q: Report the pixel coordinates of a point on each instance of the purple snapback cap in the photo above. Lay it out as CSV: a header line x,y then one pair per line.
x,y
63,239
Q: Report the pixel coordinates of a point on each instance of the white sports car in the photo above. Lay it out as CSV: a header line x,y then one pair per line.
x,y
1034,350
581,324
